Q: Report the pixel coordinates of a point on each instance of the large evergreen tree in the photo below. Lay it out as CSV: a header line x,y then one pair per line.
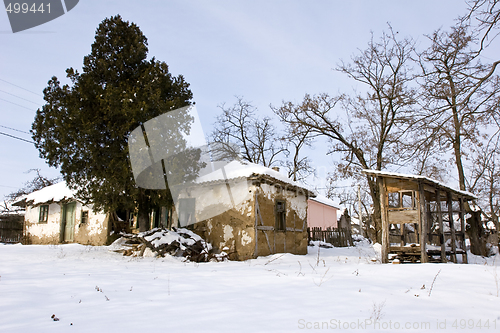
x,y
83,127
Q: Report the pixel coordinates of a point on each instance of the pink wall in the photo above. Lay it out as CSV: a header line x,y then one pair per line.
x,y
321,215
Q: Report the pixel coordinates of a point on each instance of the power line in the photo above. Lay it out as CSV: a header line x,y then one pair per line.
x,y
24,99
15,85
8,186
22,106
16,137
15,129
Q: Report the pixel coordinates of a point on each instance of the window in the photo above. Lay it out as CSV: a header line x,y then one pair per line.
x,y
393,198
44,214
186,211
85,217
408,199
280,213
402,200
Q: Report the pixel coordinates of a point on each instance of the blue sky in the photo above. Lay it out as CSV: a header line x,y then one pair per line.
x,y
266,51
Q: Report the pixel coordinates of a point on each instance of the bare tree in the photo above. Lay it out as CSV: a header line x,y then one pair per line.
x,y
37,183
484,179
484,15
368,135
460,95
460,92
239,132
298,167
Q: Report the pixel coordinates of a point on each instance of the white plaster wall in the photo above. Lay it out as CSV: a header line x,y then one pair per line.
x,y
50,230
95,224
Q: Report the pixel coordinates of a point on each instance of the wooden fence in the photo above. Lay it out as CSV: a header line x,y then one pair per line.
x,y
11,228
338,237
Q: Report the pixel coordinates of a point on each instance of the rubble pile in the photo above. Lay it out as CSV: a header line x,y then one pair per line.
x,y
159,242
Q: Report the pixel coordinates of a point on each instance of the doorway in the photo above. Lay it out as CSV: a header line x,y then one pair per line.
x,y
68,222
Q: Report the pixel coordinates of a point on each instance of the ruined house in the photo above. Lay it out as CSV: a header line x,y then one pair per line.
x,y
246,210
53,216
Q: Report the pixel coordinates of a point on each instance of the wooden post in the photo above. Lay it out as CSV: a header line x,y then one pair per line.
x,y
462,225
385,220
452,228
256,253
441,228
423,224
295,235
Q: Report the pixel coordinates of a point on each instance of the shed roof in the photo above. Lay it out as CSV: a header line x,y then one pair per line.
x,y
425,180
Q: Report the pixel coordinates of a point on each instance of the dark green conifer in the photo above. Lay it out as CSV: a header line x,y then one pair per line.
x,y
83,127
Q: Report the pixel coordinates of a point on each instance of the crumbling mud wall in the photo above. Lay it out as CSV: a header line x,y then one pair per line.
x,y
226,215
294,238
233,230
95,230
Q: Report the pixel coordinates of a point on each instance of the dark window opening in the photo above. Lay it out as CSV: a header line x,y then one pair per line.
x,y
156,218
85,217
280,208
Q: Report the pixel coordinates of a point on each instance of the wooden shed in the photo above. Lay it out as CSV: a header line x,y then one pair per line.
x,y
422,219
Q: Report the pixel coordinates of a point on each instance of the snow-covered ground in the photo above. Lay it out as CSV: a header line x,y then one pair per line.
x,y
90,289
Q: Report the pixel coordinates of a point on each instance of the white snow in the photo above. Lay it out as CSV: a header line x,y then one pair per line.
x,y
91,289
238,169
326,201
56,192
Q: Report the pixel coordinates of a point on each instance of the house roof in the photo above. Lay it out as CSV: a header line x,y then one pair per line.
x,y
52,193
423,179
325,201
246,170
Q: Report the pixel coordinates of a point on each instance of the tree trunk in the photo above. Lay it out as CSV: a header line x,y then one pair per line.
x,y
477,235
375,234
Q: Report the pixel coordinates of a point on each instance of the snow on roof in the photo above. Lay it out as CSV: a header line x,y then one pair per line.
x,y
56,192
410,176
243,169
326,201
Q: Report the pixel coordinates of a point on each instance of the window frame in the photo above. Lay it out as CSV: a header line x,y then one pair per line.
x,y
84,218
43,214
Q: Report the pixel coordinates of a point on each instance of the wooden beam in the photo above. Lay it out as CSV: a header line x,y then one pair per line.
x,y
441,228
452,227
385,220
403,216
423,224
462,224
256,203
